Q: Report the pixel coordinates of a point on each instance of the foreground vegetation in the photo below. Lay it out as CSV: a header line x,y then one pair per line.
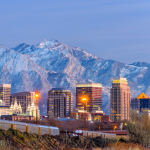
x,y
13,139
139,129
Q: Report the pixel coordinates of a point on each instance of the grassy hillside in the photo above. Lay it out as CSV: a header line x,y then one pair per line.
x,y
13,139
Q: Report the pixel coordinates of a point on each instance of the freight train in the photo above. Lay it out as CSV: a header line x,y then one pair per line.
x,y
28,127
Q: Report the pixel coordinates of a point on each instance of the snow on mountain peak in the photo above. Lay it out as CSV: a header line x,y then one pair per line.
x,y
48,43
54,64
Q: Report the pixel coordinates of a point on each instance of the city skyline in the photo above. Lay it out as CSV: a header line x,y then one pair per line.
x,y
74,74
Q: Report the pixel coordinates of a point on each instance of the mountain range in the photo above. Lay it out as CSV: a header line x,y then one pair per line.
x,y
51,64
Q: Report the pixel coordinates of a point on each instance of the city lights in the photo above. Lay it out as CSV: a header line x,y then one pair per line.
x,y
115,127
84,99
36,95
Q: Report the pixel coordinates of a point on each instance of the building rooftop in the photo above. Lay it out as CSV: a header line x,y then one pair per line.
x,y
64,119
143,96
20,93
120,80
5,85
88,85
58,89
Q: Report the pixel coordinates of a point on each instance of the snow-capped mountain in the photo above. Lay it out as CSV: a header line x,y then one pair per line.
x,y
54,64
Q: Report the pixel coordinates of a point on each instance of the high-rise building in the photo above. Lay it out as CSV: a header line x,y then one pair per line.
x,y
120,100
24,99
140,103
59,103
5,92
89,96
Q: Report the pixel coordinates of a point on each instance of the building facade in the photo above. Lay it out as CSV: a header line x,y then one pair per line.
x,y
5,92
89,96
59,103
24,99
17,118
4,110
142,102
32,111
93,116
120,100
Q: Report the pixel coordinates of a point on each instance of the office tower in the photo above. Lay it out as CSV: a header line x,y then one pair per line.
x,y
5,92
120,100
142,102
59,103
89,96
24,99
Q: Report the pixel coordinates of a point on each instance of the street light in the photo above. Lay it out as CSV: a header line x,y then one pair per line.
x,y
115,127
37,96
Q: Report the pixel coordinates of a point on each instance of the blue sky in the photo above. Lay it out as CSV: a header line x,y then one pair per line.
x,y
109,29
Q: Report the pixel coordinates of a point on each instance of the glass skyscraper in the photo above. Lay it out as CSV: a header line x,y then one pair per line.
x,y
89,96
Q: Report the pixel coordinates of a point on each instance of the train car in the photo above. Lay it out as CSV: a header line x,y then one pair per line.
x,y
94,134
28,127
79,132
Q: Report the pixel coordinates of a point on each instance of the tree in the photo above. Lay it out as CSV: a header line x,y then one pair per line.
x,y
139,128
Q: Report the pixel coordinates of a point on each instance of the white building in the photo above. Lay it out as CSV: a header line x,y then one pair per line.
x,y
32,110
4,110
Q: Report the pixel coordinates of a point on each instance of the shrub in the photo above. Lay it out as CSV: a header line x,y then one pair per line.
x,y
139,128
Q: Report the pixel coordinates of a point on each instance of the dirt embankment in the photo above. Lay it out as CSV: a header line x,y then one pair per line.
x,y
15,140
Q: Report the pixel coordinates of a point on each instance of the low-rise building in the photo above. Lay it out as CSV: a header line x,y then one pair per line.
x,y
93,116
4,110
17,118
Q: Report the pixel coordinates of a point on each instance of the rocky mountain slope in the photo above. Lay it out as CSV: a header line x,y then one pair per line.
x,y
54,64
